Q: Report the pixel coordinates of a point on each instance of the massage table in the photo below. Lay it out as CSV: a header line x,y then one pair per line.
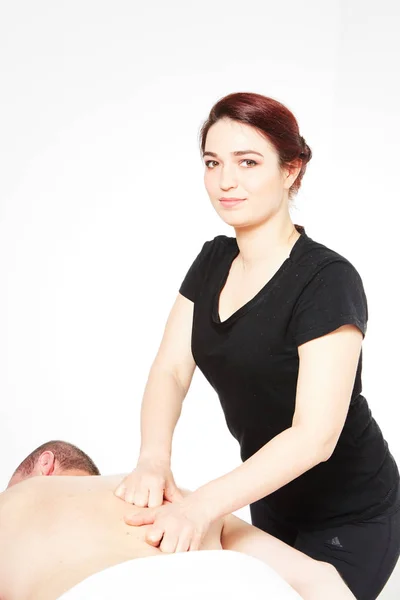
x,y
201,575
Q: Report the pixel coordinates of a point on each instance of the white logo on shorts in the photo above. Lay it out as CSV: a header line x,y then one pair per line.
x,y
335,542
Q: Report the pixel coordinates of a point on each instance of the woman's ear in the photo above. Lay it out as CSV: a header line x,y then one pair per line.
x,y
291,172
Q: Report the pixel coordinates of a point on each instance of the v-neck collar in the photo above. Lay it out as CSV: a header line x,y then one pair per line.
x,y
231,255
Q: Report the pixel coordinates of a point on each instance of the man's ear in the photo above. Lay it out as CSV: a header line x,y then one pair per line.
x,y
46,463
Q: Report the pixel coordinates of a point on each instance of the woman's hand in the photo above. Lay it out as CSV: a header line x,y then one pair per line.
x,y
177,527
149,484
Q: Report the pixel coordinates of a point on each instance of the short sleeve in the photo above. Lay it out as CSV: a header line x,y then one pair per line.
x,y
334,297
195,276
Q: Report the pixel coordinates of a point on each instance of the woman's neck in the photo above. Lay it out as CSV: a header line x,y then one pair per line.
x,y
267,242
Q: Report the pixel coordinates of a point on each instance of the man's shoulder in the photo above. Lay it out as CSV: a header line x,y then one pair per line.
x,y
109,481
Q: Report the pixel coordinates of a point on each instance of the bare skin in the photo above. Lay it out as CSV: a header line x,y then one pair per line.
x,y
243,282
57,531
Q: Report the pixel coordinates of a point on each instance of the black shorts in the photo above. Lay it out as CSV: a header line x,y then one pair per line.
x,y
363,552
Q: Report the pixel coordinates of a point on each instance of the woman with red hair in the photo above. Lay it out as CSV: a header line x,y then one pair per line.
x,y
275,321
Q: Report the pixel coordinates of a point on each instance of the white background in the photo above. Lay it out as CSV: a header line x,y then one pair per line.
x,y
103,207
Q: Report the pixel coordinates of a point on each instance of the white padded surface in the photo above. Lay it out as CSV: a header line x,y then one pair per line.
x,y
202,575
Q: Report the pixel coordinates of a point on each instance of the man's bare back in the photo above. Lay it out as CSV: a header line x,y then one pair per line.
x,y
56,531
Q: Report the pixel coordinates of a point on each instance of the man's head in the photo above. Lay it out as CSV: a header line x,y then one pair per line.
x,y
54,458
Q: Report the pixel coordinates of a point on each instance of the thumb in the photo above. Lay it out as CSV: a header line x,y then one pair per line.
x,y
154,536
171,492
144,517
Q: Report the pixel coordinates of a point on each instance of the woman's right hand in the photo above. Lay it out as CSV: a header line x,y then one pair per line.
x,y
149,484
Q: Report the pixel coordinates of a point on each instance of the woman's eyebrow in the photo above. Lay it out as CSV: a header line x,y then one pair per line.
x,y
236,153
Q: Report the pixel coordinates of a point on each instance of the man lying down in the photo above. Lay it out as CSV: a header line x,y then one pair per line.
x,y
56,533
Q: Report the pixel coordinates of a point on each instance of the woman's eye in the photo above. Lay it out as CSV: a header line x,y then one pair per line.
x,y
248,160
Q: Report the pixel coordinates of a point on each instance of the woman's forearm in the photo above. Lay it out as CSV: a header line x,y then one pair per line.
x,y
161,409
284,458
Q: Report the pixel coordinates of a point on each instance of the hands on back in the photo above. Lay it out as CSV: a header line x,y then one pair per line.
x,y
149,484
178,526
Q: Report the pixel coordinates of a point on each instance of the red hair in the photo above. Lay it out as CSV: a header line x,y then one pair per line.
x,y
272,119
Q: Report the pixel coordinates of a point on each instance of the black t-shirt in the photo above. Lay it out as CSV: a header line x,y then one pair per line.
x,y
251,360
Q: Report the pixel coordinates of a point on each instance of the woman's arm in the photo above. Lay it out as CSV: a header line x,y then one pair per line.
x,y
327,369
168,383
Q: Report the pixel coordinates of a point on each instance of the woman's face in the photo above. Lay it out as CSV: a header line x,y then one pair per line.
x,y
254,179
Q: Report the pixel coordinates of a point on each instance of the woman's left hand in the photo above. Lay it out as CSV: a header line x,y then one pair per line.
x,y
176,527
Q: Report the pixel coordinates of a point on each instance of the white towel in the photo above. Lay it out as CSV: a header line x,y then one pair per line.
x,y
202,575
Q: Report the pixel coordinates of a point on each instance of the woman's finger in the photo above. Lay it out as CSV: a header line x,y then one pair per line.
x,y
120,491
154,536
171,493
184,540
169,543
155,496
141,497
144,517
196,542
129,495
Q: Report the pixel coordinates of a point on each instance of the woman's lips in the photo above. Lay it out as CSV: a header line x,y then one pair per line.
x,y
230,202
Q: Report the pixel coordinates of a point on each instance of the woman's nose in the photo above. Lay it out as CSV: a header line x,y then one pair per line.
x,y
227,179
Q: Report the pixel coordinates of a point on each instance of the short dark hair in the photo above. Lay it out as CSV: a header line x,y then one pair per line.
x,y
67,455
